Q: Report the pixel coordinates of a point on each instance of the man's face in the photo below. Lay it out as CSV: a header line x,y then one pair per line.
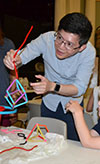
x,y
66,44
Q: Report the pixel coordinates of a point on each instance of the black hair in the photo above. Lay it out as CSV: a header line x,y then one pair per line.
x,y
76,23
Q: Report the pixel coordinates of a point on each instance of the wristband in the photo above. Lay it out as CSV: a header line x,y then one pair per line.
x,y
57,88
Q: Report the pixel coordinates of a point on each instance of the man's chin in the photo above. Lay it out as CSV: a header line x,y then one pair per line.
x,y
60,57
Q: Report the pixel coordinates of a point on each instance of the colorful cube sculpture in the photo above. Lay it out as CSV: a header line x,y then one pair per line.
x,y
20,92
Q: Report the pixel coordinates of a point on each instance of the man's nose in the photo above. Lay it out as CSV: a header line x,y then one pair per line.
x,y
63,44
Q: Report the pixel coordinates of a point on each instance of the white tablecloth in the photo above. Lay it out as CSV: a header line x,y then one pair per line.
x,y
68,152
9,139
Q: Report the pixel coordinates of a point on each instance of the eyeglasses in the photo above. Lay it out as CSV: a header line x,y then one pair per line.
x,y
68,45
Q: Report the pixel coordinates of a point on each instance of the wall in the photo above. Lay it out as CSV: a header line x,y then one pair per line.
x,y
97,14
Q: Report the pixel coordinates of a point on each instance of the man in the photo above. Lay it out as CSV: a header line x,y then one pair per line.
x,y
89,139
68,63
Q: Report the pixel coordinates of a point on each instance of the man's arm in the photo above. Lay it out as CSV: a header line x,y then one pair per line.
x,y
46,86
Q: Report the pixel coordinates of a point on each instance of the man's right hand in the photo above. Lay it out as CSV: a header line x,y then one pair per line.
x,y
9,59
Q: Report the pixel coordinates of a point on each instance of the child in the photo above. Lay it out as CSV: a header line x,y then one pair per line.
x,y
89,139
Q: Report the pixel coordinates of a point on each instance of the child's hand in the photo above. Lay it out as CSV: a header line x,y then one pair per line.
x,y
73,106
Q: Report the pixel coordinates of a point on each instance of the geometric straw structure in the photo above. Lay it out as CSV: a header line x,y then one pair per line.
x,y
8,110
39,133
21,94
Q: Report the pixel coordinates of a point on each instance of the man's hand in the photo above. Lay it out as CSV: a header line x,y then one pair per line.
x,y
8,60
43,86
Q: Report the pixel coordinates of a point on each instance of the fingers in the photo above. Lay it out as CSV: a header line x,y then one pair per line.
x,y
8,60
74,107
68,105
37,84
38,87
41,84
42,78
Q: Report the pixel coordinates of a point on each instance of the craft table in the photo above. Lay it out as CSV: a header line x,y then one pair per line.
x,y
72,153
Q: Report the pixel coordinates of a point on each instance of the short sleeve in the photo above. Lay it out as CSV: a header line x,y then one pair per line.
x,y
97,127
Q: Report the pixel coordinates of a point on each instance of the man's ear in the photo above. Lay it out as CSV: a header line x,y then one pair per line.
x,y
82,47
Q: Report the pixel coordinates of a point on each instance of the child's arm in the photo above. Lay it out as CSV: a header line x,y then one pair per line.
x,y
85,136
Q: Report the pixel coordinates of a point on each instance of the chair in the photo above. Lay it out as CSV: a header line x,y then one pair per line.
x,y
89,120
34,107
53,125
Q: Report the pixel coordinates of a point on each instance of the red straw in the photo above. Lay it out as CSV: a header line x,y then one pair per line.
x,y
19,49
1,109
15,147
